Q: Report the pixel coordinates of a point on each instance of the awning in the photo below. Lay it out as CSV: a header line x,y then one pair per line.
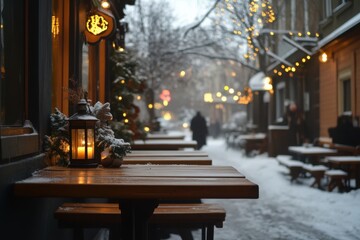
x,y
259,82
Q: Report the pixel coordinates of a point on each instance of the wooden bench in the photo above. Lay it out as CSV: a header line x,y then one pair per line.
x,y
168,215
295,167
316,171
337,178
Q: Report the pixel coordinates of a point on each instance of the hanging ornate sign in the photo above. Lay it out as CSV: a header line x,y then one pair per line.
x,y
100,24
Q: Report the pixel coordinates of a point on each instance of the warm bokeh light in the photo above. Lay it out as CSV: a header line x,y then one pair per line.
x,y
182,73
167,116
150,106
208,97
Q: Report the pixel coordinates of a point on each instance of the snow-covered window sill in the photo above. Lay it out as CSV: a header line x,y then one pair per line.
x,y
18,142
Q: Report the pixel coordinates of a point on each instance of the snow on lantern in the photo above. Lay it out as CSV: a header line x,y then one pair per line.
x,y
82,137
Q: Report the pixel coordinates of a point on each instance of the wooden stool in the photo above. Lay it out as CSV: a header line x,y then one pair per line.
x,y
295,167
316,171
337,179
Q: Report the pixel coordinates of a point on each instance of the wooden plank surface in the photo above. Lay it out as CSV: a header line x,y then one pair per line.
x,y
162,144
184,160
344,159
139,182
161,153
313,150
134,171
160,136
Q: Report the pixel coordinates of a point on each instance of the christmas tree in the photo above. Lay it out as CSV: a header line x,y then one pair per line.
x,y
125,86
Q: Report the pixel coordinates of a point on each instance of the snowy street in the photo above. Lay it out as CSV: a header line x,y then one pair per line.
x,y
288,211
284,210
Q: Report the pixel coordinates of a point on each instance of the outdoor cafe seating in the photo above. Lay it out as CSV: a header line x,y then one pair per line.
x,y
141,187
331,165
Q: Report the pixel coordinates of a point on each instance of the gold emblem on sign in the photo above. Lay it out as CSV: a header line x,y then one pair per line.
x,y
96,24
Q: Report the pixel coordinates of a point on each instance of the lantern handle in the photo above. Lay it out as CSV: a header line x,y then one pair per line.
x,y
85,93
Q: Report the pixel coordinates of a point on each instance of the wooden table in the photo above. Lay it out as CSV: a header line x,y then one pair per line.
x,y
254,142
163,144
312,154
162,136
351,164
185,160
162,153
138,188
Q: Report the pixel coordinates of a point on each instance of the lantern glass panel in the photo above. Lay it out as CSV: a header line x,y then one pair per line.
x,y
90,143
78,143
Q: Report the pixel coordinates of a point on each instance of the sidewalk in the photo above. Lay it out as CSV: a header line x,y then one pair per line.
x,y
284,210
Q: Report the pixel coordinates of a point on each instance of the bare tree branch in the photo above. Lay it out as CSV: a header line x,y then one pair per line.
x,y
203,19
224,58
190,48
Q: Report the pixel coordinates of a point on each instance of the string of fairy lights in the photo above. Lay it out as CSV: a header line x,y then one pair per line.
x,y
248,19
229,95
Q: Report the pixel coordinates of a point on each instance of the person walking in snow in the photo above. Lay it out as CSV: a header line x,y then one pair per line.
x,y
199,128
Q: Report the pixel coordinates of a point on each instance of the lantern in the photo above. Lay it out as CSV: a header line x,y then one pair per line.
x,y
82,137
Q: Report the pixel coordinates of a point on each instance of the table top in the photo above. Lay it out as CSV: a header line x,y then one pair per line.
x,y
186,160
163,136
312,150
257,136
344,159
162,144
166,153
139,182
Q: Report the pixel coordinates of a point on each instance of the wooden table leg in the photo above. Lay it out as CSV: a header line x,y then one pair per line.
x,y
135,215
357,176
317,178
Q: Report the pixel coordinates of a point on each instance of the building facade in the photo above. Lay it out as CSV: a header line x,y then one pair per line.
x,y
45,60
340,74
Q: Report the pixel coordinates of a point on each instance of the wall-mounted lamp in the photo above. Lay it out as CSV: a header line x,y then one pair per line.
x,y
323,57
105,4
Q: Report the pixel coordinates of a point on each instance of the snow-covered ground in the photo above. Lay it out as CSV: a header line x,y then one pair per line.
x,y
284,210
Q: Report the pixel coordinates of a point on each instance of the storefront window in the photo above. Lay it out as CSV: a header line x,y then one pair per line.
x,y
346,95
280,101
12,74
327,8
344,92
85,67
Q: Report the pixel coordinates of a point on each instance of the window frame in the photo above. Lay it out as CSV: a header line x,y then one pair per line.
x,y
280,101
344,76
340,7
15,95
27,142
